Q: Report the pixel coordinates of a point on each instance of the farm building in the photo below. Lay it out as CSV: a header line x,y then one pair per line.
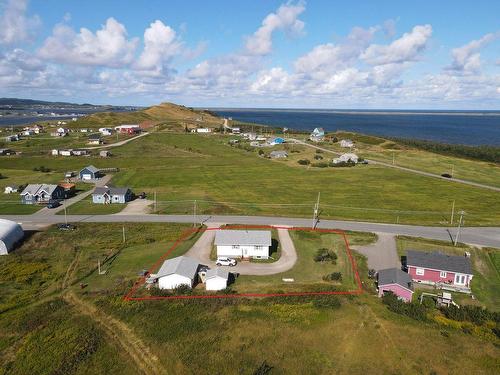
x,y
346,158
11,189
278,154
41,193
176,272
90,173
10,234
243,243
107,195
450,272
216,279
396,281
347,143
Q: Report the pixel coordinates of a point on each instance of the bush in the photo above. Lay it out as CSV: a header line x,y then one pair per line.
x,y
343,164
318,157
319,151
182,290
334,276
261,152
330,302
319,165
304,162
411,310
475,314
324,255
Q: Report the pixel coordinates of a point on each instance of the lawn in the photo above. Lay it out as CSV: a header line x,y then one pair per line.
x,y
485,263
182,168
86,207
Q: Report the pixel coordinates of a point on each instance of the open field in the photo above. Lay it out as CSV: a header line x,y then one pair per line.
x,y
485,263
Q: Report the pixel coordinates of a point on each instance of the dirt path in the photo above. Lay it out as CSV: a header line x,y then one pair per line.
x,y
382,254
70,272
147,363
121,143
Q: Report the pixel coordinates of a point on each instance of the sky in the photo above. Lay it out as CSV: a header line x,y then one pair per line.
x,y
262,54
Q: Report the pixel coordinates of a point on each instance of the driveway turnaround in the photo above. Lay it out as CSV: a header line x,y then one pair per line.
x,y
136,207
382,254
201,252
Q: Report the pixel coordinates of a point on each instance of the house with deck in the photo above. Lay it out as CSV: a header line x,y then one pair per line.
x,y
243,243
176,272
108,195
41,193
396,281
449,272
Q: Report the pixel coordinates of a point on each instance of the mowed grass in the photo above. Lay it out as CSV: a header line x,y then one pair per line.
x,y
306,273
182,168
86,207
485,264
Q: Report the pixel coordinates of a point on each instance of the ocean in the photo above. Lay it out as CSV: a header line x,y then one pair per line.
x,y
456,127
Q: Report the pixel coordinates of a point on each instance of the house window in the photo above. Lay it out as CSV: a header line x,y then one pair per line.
x,y
442,274
259,247
420,271
459,279
236,246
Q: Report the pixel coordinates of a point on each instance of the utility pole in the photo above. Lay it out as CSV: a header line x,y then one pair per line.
x,y
452,170
460,222
452,212
156,208
316,212
194,213
123,232
393,158
65,213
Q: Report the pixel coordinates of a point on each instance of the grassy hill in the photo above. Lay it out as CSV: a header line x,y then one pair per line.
x,y
168,114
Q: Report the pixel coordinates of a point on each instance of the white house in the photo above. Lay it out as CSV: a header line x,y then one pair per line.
x,y
216,279
347,143
203,130
54,152
66,152
345,158
243,243
11,189
10,234
106,131
62,130
176,272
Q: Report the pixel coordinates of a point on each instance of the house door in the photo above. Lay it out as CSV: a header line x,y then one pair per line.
x,y
245,252
460,279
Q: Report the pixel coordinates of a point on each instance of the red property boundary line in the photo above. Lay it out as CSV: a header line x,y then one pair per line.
x,y
188,232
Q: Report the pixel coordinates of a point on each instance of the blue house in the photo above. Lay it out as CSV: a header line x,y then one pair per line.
x,y
41,193
90,173
276,141
107,195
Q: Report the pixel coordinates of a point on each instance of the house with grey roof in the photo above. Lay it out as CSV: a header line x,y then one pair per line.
x,y
278,154
450,272
107,195
90,173
216,279
243,243
396,281
41,193
176,272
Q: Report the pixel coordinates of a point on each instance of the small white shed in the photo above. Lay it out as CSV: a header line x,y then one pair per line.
x,y
10,234
216,279
176,272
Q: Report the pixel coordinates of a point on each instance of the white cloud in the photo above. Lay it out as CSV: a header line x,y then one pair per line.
x,y
407,48
108,46
467,58
161,44
15,25
286,18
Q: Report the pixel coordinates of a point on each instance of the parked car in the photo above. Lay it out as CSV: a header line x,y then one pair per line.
x,y
224,261
142,195
446,175
64,226
53,204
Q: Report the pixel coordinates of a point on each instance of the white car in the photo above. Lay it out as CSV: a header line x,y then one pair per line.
x,y
224,261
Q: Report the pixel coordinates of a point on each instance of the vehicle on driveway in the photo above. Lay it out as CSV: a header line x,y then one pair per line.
x,y
224,261
64,226
142,195
53,204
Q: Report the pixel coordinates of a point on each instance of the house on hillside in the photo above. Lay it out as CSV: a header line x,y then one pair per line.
x,y
108,195
94,139
80,152
201,130
346,158
275,141
176,272
216,279
90,173
41,193
106,131
243,243
317,135
347,143
128,129
278,154
450,272
66,152
396,281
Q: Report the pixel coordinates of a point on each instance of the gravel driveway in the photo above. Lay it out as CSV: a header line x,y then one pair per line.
x,y
382,254
201,252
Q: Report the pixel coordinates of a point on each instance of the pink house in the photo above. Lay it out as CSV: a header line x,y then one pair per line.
x,y
450,272
396,281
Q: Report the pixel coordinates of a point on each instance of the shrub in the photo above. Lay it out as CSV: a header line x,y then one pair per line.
x,y
319,165
334,276
318,157
304,162
330,302
261,152
411,310
319,151
475,314
342,164
324,254
182,290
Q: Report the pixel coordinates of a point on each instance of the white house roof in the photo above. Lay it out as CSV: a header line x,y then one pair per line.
x,y
217,272
91,168
10,233
34,189
243,237
182,265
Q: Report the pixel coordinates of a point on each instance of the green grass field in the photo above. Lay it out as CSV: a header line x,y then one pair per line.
x,y
86,207
485,263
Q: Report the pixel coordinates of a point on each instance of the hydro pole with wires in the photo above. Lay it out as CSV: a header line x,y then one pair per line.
x,y
460,223
316,212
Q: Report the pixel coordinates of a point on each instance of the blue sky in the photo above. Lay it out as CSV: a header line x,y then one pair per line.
x,y
315,54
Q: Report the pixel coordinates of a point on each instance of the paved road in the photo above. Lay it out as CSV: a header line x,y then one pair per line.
x,y
480,236
201,251
382,254
121,143
389,165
